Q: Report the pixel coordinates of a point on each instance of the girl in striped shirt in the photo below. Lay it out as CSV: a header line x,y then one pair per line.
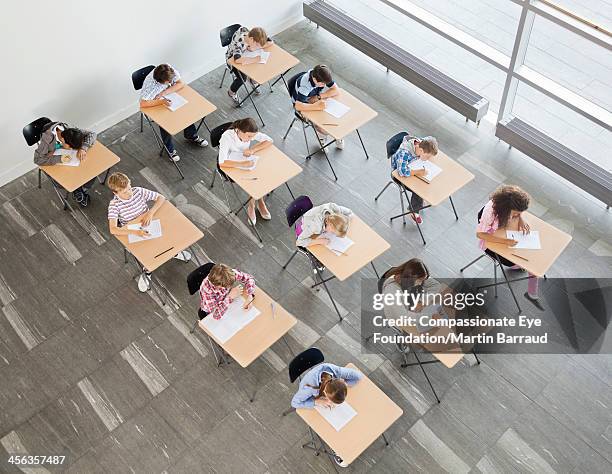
x,y
128,204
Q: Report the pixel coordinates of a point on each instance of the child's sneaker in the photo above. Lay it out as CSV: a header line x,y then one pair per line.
x,y
234,97
183,256
144,282
174,156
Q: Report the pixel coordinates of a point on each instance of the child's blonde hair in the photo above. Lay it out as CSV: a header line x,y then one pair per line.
x,y
118,182
339,222
259,35
429,145
222,275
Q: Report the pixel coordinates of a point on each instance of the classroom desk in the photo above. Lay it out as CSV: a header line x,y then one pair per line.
x,y
338,128
376,412
258,336
273,169
452,178
536,262
367,246
196,108
178,234
278,64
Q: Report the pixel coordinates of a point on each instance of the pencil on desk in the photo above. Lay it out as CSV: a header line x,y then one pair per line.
x,y
332,124
522,258
159,254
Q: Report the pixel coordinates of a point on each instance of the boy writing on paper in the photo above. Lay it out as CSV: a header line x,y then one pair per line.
x,y
160,82
243,136
131,203
57,136
325,385
311,89
222,286
412,149
245,40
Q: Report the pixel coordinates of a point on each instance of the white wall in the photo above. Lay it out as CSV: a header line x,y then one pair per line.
x,y
72,60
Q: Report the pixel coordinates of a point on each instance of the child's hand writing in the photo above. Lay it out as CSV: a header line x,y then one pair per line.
x,y
235,292
323,402
320,241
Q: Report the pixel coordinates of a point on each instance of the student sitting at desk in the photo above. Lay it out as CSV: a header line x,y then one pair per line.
x,y
223,285
325,385
411,149
161,81
311,88
56,136
244,40
504,211
412,277
328,217
128,204
238,139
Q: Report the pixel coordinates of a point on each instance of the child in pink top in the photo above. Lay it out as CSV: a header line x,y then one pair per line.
x,y
504,210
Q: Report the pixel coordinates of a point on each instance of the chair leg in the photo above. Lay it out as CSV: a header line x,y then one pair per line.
x,y
305,140
401,192
194,326
383,190
289,261
39,177
289,129
223,78
472,263
212,183
290,410
425,374
495,277
141,122
509,286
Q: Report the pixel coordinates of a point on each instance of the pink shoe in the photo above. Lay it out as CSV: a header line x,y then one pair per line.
x,y
418,219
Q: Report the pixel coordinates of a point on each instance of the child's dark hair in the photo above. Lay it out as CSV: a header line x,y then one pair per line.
x,y
322,73
73,137
163,73
508,198
245,125
408,272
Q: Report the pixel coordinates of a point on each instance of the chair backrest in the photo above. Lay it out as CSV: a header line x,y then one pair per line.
x,y
225,35
196,277
297,209
480,214
139,76
394,143
381,281
291,84
304,361
33,131
215,133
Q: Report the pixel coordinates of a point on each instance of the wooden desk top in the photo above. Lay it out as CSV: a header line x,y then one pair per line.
x,y
273,169
278,63
178,232
376,412
98,160
359,115
452,178
195,109
368,245
538,262
257,337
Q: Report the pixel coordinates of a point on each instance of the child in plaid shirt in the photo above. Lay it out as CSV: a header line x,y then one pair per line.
x,y
411,149
219,289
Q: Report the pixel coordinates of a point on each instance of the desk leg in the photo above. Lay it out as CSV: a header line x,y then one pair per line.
x,y
425,374
289,189
385,438
509,285
250,97
412,211
453,204
374,268
316,272
163,148
39,177
323,146
477,359
203,121
195,257
362,145
289,347
255,231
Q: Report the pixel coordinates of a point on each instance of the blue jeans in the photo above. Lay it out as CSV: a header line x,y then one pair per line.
x,y
189,133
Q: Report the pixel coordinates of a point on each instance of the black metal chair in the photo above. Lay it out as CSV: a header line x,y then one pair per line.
x,y
225,35
296,209
138,78
301,363
194,281
32,133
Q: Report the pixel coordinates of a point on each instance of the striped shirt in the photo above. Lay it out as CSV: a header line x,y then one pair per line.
x,y
126,210
305,87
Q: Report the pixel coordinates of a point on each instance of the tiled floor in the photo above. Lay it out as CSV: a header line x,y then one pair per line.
x,y
91,368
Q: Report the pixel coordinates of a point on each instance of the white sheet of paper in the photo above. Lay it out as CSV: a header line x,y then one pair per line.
x,y
252,54
176,101
237,156
337,416
154,228
335,108
525,241
263,57
432,169
232,321
338,245
74,161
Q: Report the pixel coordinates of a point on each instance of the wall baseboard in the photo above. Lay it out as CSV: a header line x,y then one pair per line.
x,y
23,167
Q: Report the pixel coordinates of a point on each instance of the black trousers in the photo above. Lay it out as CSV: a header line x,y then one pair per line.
x,y
238,79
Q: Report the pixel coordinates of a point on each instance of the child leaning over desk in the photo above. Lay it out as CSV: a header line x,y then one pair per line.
x,y
328,217
131,203
222,286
